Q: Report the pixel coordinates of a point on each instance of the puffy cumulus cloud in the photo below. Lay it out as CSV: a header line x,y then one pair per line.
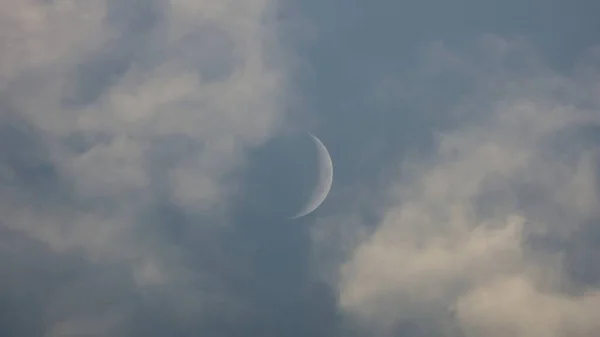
x,y
478,238
108,110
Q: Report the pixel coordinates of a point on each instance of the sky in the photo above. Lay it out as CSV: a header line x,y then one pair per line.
x,y
147,171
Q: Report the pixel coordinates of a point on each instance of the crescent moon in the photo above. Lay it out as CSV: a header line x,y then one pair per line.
x,y
324,182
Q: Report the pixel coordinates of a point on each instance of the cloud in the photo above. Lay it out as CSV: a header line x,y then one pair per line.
x,y
515,305
464,244
125,125
110,110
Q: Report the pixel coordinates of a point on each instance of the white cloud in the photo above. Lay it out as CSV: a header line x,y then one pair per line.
x,y
206,76
455,239
150,100
515,305
35,33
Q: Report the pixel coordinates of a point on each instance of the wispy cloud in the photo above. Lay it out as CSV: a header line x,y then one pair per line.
x,y
455,247
116,107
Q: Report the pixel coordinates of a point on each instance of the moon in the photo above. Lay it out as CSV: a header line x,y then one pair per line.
x,y
323,185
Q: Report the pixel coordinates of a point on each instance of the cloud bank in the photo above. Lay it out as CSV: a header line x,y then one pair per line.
x,y
121,122
124,126
492,232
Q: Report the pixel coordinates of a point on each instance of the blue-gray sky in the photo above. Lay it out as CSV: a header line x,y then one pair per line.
x,y
146,170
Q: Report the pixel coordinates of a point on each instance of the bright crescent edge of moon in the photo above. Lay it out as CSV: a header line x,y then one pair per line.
x,y
324,183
